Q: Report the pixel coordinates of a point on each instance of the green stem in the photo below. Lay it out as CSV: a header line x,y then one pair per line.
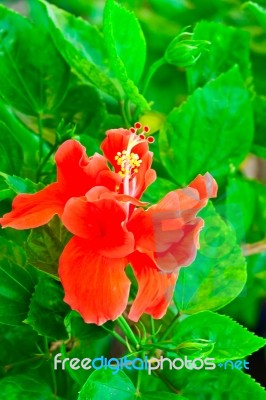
x,y
127,331
116,336
40,128
189,80
44,161
172,325
152,329
151,72
124,114
46,346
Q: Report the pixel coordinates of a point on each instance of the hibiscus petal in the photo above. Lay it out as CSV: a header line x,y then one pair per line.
x,y
117,140
95,286
33,210
182,253
102,222
76,172
205,185
155,288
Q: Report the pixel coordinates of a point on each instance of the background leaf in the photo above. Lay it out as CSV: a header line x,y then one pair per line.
x,y
47,317
229,46
38,84
104,384
221,331
82,46
126,48
11,153
218,274
206,132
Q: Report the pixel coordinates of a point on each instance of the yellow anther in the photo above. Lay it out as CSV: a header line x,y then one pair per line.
x,y
128,162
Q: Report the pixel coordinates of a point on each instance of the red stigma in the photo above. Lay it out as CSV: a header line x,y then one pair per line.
x,y
132,130
137,125
146,129
151,139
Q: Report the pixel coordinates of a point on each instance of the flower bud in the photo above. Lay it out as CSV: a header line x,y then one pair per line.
x,y
185,52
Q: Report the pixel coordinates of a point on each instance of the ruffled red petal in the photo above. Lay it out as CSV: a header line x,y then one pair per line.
x,y
155,288
33,210
172,224
76,174
117,140
102,222
95,286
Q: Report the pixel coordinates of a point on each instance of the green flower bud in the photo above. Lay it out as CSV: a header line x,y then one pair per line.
x,y
185,52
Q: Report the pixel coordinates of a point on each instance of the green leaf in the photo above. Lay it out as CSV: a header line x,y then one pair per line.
x,y
161,395
205,133
82,46
82,108
258,12
128,41
77,328
158,189
218,384
24,387
21,185
127,49
16,287
240,205
18,345
105,384
12,252
229,46
221,331
45,245
218,274
47,309
38,83
259,109
11,153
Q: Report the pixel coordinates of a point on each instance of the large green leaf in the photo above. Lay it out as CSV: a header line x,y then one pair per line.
x,y
258,11
240,205
212,131
220,331
124,36
16,285
218,384
105,384
11,159
33,75
47,309
82,46
218,274
19,346
229,46
45,245
23,387
259,109
127,49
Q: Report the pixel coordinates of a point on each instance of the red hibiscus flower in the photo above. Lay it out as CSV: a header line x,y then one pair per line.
x,y
112,229
156,242
76,174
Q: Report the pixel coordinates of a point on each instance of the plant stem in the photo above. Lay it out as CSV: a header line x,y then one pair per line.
x,y
127,331
152,329
151,72
44,161
174,322
116,336
124,114
46,346
40,128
